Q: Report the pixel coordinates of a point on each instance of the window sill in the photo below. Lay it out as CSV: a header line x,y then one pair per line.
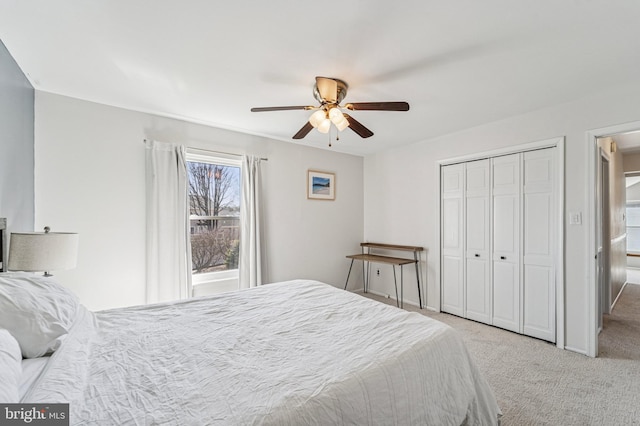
x,y
214,283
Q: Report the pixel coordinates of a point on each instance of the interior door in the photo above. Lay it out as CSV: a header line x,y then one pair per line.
x,y
452,250
477,233
539,298
506,241
604,237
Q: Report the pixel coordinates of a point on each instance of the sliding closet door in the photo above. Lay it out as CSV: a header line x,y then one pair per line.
x,y
477,224
506,241
452,251
538,247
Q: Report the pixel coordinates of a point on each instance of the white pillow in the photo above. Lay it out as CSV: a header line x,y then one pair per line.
x,y
10,368
36,310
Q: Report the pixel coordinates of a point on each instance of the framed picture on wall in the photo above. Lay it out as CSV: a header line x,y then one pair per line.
x,y
321,185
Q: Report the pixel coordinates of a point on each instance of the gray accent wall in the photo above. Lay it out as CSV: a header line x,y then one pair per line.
x,y
16,145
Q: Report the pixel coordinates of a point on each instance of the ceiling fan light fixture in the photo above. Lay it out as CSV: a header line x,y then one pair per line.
x,y
336,115
317,118
324,126
343,124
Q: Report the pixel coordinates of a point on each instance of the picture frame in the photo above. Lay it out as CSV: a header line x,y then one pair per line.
x,y
321,185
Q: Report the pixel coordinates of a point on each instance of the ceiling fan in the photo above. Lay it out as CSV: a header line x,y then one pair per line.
x,y
329,92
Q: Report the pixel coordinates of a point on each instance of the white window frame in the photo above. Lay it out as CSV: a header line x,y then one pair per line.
x,y
228,278
633,204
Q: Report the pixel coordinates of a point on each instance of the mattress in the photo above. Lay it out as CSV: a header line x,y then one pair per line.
x,y
291,353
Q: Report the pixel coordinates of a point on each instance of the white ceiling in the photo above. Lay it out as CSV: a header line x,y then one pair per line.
x,y
459,63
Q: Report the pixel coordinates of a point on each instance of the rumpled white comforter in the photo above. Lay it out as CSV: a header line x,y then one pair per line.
x,y
292,353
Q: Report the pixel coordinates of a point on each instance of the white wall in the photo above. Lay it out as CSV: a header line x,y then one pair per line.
x,y
16,146
633,192
89,178
401,189
631,162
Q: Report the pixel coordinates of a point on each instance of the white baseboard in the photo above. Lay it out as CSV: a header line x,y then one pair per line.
x,y
579,351
388,296
619,294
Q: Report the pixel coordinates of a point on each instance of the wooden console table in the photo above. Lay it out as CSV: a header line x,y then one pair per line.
x,y
369,257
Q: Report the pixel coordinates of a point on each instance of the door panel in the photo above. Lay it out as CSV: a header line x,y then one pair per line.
x,y
539,314
506,225
477,240
506,296
478,294
506,241
451,221
452,285
538,246
452,266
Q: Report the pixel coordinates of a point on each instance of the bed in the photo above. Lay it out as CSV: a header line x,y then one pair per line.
x,y
293,353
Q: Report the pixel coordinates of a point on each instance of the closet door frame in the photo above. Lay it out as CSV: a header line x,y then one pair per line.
x,y
558,143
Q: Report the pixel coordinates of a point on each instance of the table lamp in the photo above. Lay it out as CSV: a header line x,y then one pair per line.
x,y
42,251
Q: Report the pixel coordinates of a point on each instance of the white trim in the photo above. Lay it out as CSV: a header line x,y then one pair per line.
x,y
591,252
579,351
619,294
559,144
214,158
547,143
438,304
560,281
388,296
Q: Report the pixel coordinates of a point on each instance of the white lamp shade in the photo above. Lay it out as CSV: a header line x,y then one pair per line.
x,y
343,124
324,126
317,118
336,115
38,252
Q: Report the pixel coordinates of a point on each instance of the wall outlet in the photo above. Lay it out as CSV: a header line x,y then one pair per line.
x,y
378,272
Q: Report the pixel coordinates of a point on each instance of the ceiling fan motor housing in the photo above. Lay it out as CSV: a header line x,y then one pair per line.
x,y
329,90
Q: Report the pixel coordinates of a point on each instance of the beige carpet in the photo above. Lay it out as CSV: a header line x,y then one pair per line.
x,y
538,384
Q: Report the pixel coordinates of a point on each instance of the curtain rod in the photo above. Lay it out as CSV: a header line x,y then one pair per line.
x,y
213,152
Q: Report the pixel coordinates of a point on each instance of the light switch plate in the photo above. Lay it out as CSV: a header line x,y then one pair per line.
x,y
575,218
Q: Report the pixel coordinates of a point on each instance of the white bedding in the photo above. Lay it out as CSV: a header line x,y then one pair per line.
x,y
292,353
31,369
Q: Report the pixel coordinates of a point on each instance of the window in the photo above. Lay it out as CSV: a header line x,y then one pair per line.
x,y
633,227
214,204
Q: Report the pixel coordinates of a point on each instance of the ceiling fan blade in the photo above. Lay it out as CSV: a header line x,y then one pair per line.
x,y
328,89
304,131
281,108
357,127
378,106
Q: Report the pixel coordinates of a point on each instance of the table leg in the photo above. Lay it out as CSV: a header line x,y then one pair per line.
x,y
395,282
415,256
347,282
401,287
368,275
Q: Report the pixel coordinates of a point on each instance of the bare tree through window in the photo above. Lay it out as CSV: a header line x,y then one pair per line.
x,y
214,201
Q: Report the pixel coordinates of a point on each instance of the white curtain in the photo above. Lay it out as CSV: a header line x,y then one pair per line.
x,y
250,218
168,263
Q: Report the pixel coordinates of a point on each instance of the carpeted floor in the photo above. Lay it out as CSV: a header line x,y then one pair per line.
x,y
538,384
